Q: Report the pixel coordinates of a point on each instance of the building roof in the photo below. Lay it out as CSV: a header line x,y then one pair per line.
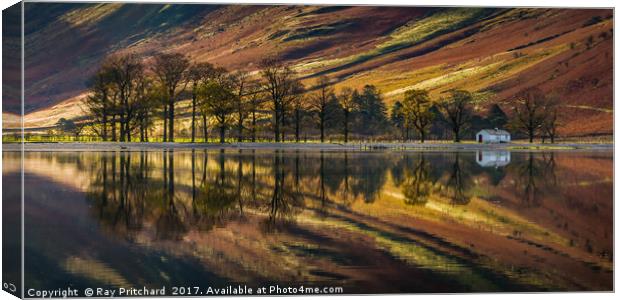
x,y
494,131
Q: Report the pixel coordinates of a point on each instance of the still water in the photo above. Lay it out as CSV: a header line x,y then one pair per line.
x,y
370,222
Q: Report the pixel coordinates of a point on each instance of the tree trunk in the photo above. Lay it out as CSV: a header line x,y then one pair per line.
x,y
322,127
222,134
171,121
146,130
346,127
128,131
122,129
297,124
193,116
114,128
277,125
406,133
205,130
240,131
104,132
142,132
165,123
253,126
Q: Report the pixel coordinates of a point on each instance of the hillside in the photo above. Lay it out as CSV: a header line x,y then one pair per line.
x,y
493,52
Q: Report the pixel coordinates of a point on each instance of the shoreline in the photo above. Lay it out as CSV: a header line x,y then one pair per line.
x,y
428,146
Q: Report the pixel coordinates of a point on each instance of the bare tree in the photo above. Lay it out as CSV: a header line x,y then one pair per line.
x,y
397,117
529,111
256,101
99,101
319,102
416,109
551,120
149,96
345,98
126,71
278,82
457,111
170,71
198,74
298,108
217,101
240,84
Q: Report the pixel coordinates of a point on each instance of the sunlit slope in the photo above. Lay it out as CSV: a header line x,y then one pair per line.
x,y
493,52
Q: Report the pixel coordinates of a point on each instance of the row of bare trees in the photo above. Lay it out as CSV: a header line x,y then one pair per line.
x,y
128,95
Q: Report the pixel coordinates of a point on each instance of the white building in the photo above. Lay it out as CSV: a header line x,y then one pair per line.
x,y
493,158
493,136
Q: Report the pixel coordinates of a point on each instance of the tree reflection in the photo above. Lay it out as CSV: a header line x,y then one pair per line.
x,y
416,184
253,187
531,173
177,191
458,183
169,225
549,169
240,183
398,169
370,176
282,207
346,182
322,195
118,192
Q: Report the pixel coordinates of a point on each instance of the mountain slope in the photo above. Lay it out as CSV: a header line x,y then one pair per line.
x,y
493,52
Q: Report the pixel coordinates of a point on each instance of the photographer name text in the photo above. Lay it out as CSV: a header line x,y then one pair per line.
x,y
229,290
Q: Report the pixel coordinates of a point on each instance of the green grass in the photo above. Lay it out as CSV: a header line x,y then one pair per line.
x,y
431,26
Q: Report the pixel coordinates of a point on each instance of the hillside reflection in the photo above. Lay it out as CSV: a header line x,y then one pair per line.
x,y
343,218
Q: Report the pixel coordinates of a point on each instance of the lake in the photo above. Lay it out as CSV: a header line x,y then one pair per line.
x,y
369,222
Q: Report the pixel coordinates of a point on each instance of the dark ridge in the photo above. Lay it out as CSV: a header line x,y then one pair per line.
x,y
440,44
296,53
319,30
324,10
328,9
592,21
278,34
545,39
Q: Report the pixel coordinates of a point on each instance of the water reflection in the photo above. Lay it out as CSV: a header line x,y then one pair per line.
x,y
416,183
496,159
338,218
458,184
535,176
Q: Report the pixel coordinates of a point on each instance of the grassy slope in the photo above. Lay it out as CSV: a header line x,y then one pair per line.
x,y
494,53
